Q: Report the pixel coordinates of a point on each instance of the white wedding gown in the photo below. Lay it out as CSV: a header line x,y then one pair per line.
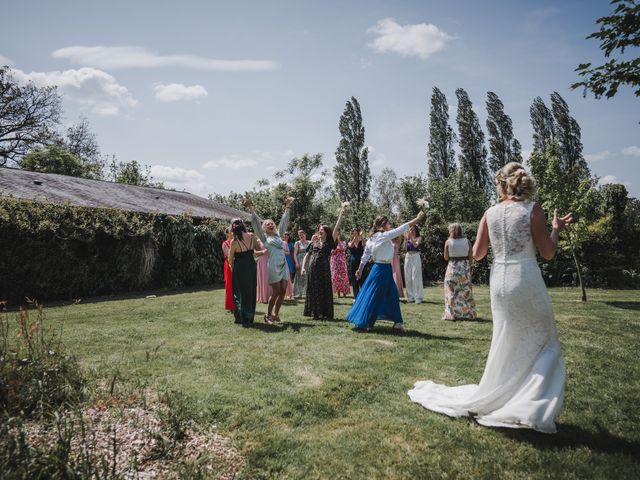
x,y
523,381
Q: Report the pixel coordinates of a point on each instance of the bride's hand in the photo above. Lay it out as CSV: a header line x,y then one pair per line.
x,y
559,223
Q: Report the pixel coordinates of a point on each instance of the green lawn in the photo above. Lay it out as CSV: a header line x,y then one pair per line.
x,y
312,399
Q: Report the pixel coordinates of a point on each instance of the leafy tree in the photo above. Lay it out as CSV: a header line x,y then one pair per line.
x,y
569,138
81,142
132,173
456,199
544,130
441,157
618,32
503,147
412,187
303,179
28,115
53,159
352,174
473,153
387,194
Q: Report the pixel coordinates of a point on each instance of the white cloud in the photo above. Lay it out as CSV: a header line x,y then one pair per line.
x,y
596,157
631,151
140,57
233,162
175,92
253,158
608,179
94,89
5,61
181,179
421,40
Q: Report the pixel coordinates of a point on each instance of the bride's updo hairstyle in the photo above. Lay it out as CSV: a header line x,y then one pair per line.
x,y
514,181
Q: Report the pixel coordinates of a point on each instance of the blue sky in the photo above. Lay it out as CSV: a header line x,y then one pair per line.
x,y
215,95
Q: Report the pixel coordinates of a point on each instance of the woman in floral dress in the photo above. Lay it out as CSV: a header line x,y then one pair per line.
x,y
458,293
339,274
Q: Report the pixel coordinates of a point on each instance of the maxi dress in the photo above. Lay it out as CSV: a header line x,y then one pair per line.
x,y
228,289
319,300
300,281
339,274
244,285
523,382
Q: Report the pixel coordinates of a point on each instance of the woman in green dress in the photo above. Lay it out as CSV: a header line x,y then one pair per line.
x,y
243,267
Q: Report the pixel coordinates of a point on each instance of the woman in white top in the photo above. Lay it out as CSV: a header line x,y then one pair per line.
x,y
523,381
378,296
413,266
458,293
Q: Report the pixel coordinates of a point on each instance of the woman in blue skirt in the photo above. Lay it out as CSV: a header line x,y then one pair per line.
x,y
378,297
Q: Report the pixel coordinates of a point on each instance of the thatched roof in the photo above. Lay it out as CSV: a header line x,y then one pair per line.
x,y
53,188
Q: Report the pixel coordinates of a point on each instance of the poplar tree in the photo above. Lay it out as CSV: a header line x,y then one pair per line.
x,y
440,154
473,153
504,148
544,130
569,138
352,173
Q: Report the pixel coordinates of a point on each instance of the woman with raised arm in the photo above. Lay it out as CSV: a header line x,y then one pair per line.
x,y
523,381
242,249
299,251
277,267
378,297
319,299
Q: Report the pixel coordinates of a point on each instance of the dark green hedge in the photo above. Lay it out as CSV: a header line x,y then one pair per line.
x,y
52,252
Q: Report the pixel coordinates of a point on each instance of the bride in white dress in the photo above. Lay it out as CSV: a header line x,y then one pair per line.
x,y
523,382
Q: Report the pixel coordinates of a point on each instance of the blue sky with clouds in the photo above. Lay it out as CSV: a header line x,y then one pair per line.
x,y
214,95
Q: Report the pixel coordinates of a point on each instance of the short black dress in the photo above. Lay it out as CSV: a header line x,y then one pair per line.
x,y
319,299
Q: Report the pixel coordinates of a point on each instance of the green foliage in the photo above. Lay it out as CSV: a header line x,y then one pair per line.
x,y
55,159
132,173
440,153
473,155
37,376
352,174
618,32
411,189
64,252
456,199
503,147
387,194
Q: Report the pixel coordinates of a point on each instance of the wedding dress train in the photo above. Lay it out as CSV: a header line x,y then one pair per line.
x,y
523,382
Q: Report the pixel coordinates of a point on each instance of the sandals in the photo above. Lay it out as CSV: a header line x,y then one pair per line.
x,y
275,318
268,320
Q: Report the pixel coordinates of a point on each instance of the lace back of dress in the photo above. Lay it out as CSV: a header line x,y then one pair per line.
x,y
510,231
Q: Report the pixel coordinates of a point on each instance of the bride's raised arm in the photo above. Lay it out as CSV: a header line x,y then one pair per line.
x,y
336,227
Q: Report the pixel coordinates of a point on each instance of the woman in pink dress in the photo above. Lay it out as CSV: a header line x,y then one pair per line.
x,y
339,272
264,289
395,266
228,298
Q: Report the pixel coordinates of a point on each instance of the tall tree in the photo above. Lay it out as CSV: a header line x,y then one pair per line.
x,y
503,146
28,116
569,139
618,32
473,153
440,154
544,130
352,174
132,173
387,194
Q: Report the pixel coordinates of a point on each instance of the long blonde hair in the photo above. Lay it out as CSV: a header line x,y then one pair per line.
x,y
513,180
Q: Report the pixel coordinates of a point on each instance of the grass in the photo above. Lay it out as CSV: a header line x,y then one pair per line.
x,y
312,399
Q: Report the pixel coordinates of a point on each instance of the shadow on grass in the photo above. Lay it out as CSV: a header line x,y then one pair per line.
x,y
625,305
280,327
406,333
573,436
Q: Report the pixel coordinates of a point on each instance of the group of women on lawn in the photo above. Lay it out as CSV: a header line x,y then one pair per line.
x,y
523,381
